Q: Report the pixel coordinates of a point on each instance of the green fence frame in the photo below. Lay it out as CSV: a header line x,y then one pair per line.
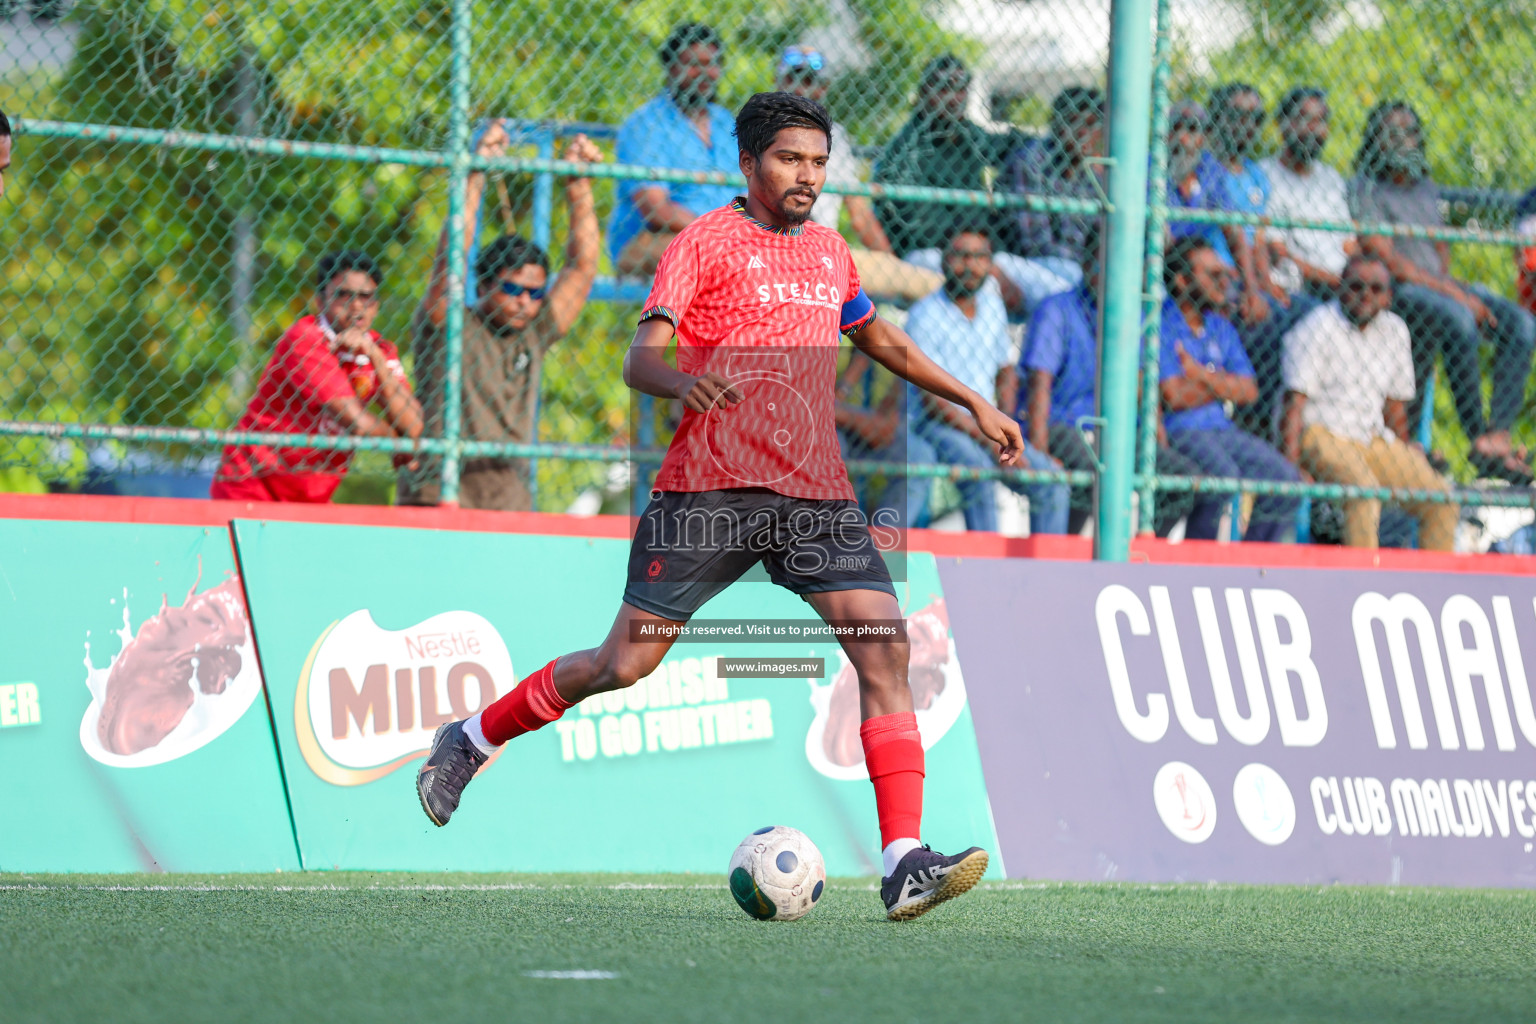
x,y
1137,213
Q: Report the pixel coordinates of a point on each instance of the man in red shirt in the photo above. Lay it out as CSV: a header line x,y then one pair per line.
x,y
324,374
755,296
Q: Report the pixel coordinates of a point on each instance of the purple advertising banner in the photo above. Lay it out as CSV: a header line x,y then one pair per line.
x,y
1195,723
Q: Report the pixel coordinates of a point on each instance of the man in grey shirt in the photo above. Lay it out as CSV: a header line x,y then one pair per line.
x,y
1392,184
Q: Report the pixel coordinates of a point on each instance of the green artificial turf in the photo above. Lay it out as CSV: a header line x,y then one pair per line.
x,y
340,946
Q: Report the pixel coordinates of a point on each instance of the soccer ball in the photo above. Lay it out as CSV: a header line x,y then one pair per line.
x,y
777,874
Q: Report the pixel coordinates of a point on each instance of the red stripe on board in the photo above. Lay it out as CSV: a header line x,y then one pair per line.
x,y
193,512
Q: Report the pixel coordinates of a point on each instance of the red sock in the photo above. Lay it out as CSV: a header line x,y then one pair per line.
x,y
893,752
531,705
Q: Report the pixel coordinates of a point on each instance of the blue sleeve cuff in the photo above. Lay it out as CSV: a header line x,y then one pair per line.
x,y
857,313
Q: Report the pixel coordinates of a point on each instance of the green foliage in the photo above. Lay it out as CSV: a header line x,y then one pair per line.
x,y
119,275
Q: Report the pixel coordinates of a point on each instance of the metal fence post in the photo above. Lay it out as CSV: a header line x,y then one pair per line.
x,y
1130,93
458,179
1152,297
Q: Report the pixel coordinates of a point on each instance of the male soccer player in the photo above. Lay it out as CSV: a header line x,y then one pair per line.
x,y
754,296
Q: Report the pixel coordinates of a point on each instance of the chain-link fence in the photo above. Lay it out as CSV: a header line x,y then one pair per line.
x,y
180,169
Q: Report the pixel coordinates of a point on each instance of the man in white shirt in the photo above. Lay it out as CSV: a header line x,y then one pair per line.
x,y
1302,187
1348,371
803,71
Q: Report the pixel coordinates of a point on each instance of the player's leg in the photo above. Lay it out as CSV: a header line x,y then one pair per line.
x,y
916,878
679,558
460,749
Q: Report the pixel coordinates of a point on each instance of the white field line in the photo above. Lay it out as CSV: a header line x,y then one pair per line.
x,y
489,887
587,975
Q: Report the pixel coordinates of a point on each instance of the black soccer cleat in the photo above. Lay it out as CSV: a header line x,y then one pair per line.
x,y
454,760
925,879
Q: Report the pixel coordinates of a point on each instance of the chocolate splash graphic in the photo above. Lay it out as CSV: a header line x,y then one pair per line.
x,y
149,687
928,633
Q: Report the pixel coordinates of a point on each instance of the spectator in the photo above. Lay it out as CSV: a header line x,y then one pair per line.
x,y
683,128
1267,309
872,433
1204,365
1060,368
1525,255
1348,375
1392,184
517,317
939,148
1302,187
1061,165
325,372
1190,186
5,149
964,328
803,71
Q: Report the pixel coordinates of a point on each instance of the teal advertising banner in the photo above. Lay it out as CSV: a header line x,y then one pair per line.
x,y
133,733
372,637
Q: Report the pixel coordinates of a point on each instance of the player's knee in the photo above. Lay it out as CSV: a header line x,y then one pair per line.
x,y
883,667
617,670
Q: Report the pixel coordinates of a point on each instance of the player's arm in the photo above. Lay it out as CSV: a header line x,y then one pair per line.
x,y
402,412
434,304
574,283
890,346
647,371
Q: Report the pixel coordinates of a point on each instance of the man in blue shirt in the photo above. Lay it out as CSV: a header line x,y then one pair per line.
x,y
1059,365
1203,366
682,128
1268,310
964,328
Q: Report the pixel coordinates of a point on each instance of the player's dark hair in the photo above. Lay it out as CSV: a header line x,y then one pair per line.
x,y
5,125
1222,96
689,33
968,226
767,113
509,252
1366,256
1073,102
333,264
1291,102
1180,259
944,66
1370,160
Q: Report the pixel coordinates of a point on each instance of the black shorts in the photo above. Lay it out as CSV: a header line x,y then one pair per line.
x,y
690,545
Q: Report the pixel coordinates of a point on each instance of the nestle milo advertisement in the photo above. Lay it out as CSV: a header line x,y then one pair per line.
x,y
373,637
132,729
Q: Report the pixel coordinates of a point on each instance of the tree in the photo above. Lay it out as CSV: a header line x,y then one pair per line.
x,y
146,285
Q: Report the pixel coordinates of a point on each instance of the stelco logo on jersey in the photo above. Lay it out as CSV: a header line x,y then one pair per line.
x,y
803,292
369,699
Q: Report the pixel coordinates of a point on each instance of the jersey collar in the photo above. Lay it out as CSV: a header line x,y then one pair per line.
x,y
739,204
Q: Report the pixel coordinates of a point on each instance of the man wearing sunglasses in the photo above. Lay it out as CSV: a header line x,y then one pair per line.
x,y
324,375
514,316
1348,378
803,72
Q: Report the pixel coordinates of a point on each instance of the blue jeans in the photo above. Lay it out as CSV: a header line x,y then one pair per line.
x,y
1235,453
1442,326
929,441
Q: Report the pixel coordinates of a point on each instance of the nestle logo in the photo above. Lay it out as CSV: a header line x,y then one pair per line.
x,y
427,646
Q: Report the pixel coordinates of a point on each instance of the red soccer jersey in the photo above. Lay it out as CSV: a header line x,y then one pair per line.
x,y
762,307
306,371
